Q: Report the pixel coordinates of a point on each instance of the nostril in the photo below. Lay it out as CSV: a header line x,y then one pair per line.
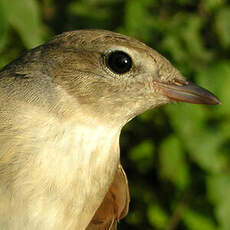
x,y
180,82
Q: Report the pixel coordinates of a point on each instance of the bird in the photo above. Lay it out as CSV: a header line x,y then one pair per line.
x,y
63,105
115,204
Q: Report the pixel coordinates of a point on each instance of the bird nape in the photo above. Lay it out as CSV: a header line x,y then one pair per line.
x,y
62,108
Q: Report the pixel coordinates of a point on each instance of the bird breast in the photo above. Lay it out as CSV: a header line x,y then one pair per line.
x,y
57,172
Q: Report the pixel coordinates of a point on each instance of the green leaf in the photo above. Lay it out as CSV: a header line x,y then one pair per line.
x,y
186,119
157,217
216,78
191,34
184,40
174,46
223,26
173,163
212,5
24,16
89,10
196,221
3,27
137,15
202,143
218,186
142,155
205,150
224,129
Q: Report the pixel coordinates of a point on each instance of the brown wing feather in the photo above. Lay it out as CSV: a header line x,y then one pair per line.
x,y
115,205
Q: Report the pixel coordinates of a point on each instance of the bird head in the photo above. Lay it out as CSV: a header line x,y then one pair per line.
x,y
112,76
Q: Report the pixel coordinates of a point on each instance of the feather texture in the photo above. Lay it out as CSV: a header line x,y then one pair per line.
x,y
114,206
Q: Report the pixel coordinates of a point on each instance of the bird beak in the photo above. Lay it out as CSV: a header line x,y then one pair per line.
x,y
186,91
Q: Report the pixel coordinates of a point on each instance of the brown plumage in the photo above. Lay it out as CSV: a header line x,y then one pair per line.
x,y
115,205
62,108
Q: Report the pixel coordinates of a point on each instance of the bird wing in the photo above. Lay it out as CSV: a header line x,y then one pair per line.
x,y
115,205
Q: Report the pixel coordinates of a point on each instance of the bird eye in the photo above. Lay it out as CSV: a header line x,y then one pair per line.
x,y
119,62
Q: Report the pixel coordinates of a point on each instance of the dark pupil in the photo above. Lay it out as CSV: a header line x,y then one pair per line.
x,y
119,62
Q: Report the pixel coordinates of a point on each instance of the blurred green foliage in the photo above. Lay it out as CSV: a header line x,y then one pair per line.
x,y
177,158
